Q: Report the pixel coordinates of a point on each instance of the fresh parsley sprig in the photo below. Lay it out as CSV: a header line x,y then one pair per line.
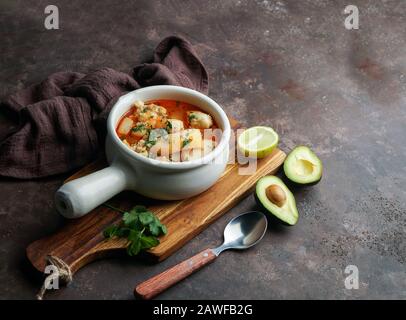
x,y
140,226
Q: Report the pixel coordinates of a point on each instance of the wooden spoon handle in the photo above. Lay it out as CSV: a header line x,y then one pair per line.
x,y
157,284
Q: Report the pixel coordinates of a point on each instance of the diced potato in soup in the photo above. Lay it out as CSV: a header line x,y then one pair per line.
x,y
167,130
125,127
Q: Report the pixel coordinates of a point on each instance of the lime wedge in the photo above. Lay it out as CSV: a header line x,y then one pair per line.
x,y
258,142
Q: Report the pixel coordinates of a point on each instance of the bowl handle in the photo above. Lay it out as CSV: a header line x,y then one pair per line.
x,y
78,197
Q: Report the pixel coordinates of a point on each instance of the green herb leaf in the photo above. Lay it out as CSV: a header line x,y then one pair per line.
x,y
139,127
146,217
141,228
111,231
135,242
148,242
186,142
168,126
156,228
130,218
150,144
123,232
164,230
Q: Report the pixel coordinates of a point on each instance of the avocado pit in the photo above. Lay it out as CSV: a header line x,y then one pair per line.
x,y
276,195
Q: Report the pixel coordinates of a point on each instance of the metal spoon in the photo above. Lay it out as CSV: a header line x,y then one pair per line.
x,y
242,232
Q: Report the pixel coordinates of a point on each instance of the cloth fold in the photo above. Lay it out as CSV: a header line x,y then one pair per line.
x,y
61,121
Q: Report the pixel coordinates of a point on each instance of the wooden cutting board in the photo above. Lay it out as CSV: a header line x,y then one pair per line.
x,y
81,241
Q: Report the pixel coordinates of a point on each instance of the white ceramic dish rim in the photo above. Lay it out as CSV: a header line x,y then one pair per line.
x,y
225,137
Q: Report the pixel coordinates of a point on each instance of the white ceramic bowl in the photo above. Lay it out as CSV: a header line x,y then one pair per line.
x,y
149,177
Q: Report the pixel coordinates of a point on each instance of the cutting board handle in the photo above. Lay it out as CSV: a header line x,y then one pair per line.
x,y
78,197
157,284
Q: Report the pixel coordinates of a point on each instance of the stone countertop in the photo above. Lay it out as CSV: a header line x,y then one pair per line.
x,y
291,65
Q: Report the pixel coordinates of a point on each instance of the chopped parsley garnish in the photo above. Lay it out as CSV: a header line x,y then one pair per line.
x,y
150,143
186,142
139,127
168,126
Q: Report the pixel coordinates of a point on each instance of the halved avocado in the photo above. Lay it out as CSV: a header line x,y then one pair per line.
x,y
302,166
274,197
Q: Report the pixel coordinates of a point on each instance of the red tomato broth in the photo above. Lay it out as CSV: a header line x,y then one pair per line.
x,y
178,110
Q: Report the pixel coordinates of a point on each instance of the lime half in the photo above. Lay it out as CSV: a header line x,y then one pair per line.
x,y
258,142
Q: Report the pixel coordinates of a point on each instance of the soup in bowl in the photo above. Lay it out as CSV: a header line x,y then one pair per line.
x,y
164,142
168,130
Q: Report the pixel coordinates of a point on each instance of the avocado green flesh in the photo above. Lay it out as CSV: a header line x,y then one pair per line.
x,y
288,212
303,166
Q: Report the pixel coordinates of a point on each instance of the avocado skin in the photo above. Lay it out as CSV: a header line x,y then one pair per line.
x,y
272,219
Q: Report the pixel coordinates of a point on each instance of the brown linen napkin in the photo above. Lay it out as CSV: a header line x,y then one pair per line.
x,y
61,121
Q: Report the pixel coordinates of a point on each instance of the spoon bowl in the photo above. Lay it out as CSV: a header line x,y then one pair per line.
x,y
244,231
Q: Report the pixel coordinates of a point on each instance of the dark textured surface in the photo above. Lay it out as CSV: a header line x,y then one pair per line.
x,y
288,64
